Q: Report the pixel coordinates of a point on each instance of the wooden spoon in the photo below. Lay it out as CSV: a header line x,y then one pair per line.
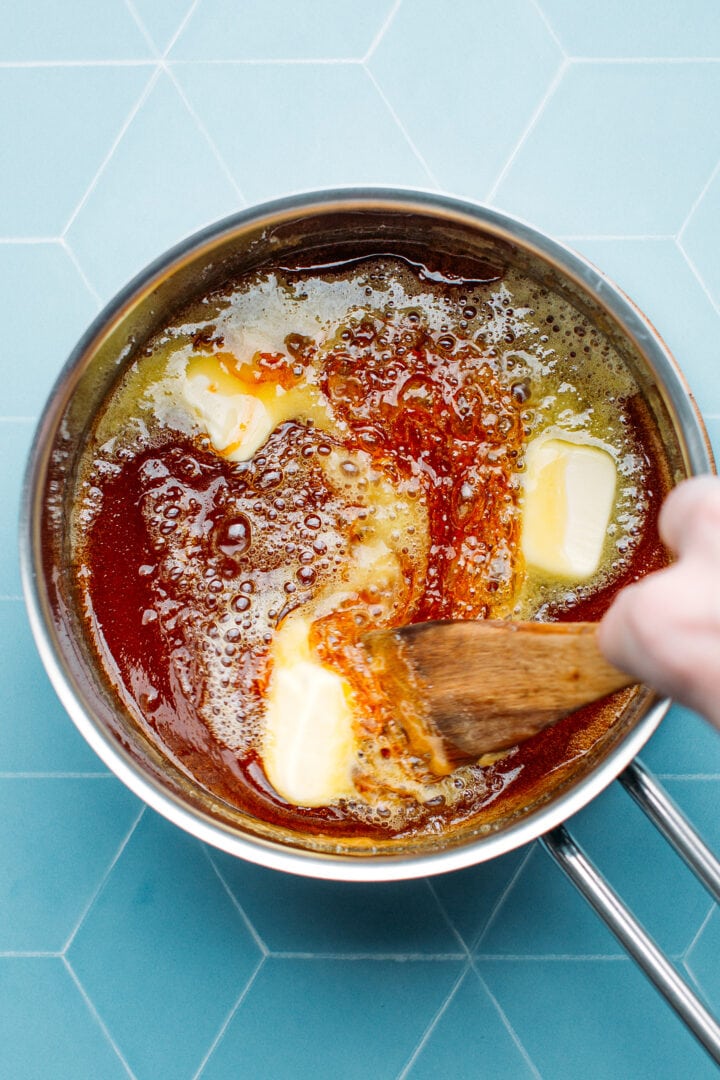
x,y
464,689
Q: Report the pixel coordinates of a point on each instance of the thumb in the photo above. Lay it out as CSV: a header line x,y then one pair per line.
x,y
689,521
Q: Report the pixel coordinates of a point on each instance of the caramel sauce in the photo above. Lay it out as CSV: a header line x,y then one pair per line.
x,y
187,563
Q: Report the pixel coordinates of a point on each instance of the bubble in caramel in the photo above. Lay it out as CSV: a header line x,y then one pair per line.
x,y
306,455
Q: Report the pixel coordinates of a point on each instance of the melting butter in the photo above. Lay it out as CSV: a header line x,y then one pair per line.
x,y
239,417
569,493
309,748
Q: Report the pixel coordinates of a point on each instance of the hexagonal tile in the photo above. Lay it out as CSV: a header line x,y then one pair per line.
x,y
699,238
301,915
657,277
702,960
684,744
618,149
614,28
328,126
280,30
332,1018
163,953
42,289
46,1028
543,915
15,439
463,95
48,31
132,213
58,124
450,1049
36,735
595,1018
469,896
57,838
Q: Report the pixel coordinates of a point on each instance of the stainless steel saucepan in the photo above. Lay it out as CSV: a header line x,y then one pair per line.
x,y
363,221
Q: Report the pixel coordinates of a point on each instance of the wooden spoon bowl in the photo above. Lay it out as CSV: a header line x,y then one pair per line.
x,y
464,689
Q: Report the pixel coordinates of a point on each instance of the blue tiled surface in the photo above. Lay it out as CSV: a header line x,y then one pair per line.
x,y
603,146
127,948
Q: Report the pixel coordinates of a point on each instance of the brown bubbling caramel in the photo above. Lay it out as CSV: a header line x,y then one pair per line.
x,y
309,454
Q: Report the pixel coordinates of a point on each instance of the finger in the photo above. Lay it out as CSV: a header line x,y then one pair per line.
x,y
690,517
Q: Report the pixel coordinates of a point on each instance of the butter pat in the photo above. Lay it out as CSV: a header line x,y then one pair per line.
x,y
309,749
569,492
238,423
239,417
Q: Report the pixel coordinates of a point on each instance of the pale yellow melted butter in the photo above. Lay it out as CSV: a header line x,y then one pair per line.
x,y
239,417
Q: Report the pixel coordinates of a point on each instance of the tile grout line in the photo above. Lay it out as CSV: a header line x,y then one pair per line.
x,y
615,236
91,1007
30,239
272,61
228,1019
537,113
701,195
389,18
695,981
550,29
688,776
40,64
551,958
113,147
697,274
506,1021
29,954
183,23
83,276
403,130
55,775
264,950
167,68
132,11
645,59
100,885
435,1020
361,957
698,932
443,911
503,896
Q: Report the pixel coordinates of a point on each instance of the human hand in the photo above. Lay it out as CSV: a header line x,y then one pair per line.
x,y
665,628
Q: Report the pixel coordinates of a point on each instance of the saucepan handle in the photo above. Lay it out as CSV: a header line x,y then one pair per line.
x,y
672,823
618,917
